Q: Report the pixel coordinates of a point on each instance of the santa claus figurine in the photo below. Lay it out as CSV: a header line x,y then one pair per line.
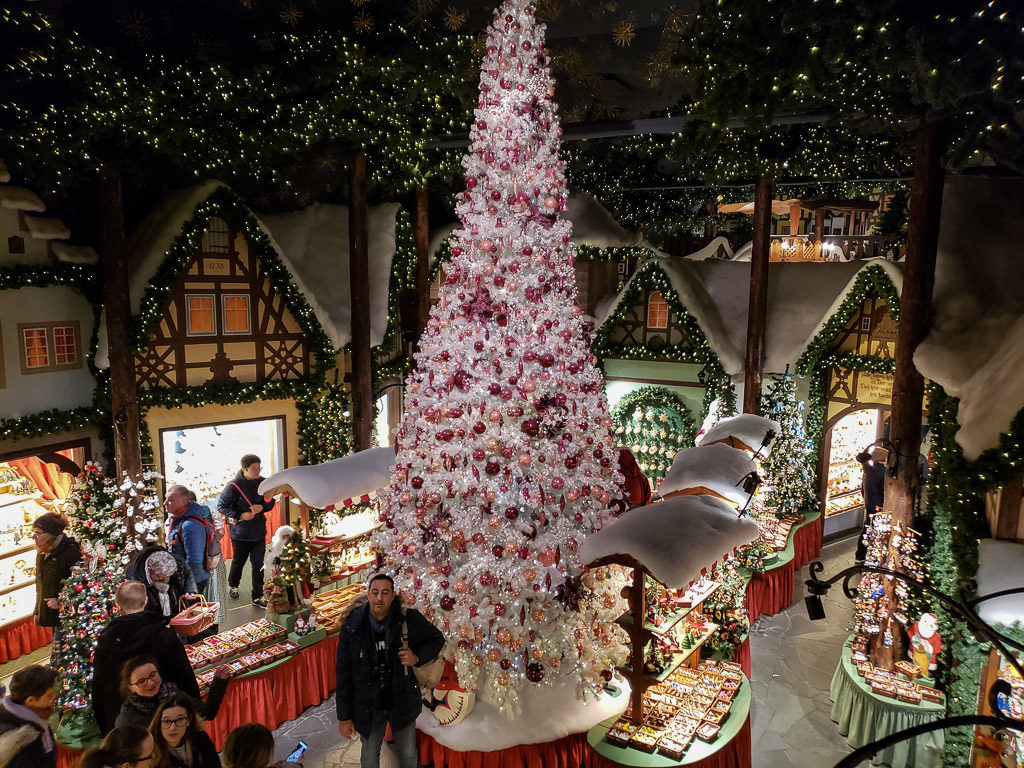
x,y
925,643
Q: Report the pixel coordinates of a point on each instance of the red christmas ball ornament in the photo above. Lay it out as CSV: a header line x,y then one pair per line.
x,y
547,360
478,455
416,482
505,664
471,180
492,468
447,603
499,609
531,427
535,672
511,513
498,550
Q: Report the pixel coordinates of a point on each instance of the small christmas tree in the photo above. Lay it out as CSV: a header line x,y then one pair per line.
x,y
505,460
111,523
290,570
721,406
789,470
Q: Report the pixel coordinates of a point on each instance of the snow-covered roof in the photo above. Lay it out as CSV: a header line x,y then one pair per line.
x,y
335,481
1000,566
312,243
975,349
20,199
748,428
719,468
801,299
673,539
75,254
44,228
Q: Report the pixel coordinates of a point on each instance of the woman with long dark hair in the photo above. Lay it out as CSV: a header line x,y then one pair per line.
x,y
179,740
249,746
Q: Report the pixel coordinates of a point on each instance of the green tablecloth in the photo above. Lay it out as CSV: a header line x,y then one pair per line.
x,y
864,716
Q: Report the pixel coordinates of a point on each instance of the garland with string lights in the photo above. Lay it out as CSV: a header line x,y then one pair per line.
x,y
956,506
655,424
324,431
695,350
50,422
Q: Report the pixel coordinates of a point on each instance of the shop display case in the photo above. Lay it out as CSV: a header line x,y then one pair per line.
x,y
19,506
343,548
851,435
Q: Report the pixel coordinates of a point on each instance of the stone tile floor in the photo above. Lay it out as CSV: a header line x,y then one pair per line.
x,y
792,659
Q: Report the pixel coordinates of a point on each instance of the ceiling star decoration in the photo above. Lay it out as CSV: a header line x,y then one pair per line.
x,y
454,18
363,22
623,33
291,15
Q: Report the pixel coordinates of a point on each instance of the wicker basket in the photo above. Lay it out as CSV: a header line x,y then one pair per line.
x,y
193,619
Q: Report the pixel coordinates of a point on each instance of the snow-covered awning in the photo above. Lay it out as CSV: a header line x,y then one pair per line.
x,y
45,228
20,199
1000,566
673,539
718,468
333,483
75,254
975,349
746,431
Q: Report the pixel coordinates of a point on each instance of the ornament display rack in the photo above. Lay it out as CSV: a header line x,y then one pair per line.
x,y
851,434
641,633
19,506
349,555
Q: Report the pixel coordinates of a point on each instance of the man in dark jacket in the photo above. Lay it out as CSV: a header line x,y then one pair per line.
x,y
134,632
26,740
245,510
166,577
56,555
375,685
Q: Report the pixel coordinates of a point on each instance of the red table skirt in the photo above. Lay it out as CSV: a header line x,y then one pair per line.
x,y
567,752
742,656
66,756
22,637
279,694
735,754
807,544
770,592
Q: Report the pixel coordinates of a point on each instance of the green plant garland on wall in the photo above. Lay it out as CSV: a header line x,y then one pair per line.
x,y
655,424
51,422
872,278
324,432
652,276
956,505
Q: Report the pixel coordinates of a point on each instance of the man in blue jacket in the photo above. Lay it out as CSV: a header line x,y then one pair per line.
x,y
375,683
187,534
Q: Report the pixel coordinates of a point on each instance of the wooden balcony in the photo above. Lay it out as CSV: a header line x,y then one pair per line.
x,y
836,247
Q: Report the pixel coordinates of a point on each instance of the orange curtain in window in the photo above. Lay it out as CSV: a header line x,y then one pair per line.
x,y
54,484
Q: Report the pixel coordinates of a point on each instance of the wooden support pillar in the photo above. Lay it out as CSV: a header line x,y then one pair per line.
x,y
1008,510
421,237
915,316
758,305
794,220
359,286
819,225
124,401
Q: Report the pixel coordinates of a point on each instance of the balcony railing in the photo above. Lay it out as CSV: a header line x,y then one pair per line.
x,y
836,247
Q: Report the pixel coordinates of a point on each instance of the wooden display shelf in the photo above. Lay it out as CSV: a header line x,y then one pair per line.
x,y
8,499
678,659
626,619
15,587
340,541
18,551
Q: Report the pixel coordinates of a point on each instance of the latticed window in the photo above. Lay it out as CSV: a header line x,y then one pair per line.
x,y
200,315
657,311
236,313
65,348
34,342
217,237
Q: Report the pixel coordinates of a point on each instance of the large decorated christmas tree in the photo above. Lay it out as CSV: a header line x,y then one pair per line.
x,y
789,469
505,457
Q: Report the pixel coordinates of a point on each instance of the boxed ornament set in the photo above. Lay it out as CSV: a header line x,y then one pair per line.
x,y
243,649
690,705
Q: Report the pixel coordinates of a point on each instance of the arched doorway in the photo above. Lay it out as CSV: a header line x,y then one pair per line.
x,y
847,433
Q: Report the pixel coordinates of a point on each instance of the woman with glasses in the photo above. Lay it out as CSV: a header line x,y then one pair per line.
x,y
144,691
180,741
129,746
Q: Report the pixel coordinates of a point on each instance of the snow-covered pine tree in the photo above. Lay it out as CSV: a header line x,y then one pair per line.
x,y
789,471
506,459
